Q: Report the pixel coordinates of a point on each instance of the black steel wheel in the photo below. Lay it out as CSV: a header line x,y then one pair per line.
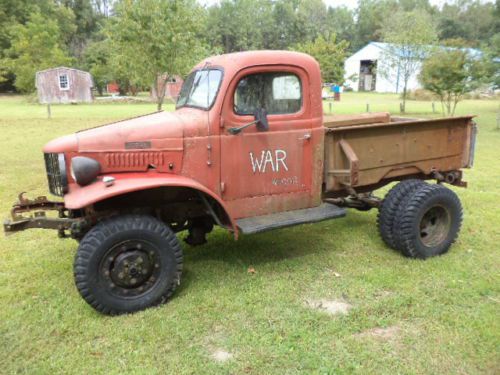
x,y
128,263
389,208
429,222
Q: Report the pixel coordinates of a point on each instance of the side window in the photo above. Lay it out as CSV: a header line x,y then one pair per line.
x,y
277,93
63,82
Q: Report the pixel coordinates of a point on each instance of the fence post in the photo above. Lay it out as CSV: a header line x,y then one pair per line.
x,y
498,118
49,114
330,104
367,107
433,107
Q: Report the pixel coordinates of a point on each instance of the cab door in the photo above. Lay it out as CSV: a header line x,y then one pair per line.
x,y
264,172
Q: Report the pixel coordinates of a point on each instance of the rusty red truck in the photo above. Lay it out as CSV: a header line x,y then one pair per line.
x,y
247,149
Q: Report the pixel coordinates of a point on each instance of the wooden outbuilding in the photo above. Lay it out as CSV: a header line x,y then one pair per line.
x,y
172,88
64,85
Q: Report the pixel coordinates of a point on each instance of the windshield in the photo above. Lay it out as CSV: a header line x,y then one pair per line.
x,y
200,89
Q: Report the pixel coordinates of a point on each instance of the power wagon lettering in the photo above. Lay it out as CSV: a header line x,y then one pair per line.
x,y
268,160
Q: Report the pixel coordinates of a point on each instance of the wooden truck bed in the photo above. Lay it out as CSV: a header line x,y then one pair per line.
x,y
367,151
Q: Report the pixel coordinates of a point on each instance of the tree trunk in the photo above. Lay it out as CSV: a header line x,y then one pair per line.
x,y
405,93
160,90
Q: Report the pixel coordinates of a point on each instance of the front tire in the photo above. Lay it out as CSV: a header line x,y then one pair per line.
x,y
430,222
128,263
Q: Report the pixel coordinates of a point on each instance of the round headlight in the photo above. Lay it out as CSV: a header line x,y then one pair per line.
x,y
84,170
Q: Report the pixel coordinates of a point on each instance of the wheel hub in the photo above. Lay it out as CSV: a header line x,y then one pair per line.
x,y
435,226
131,268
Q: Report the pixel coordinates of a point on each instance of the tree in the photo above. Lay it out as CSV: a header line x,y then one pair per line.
x,y
87,21
153,40
329,54
286,29
450,73
240,25
370,17
312,18
34,46
470,20
341,22
97,61
491,61
409,35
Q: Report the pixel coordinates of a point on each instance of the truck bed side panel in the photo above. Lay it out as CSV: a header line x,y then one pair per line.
x,y
368,154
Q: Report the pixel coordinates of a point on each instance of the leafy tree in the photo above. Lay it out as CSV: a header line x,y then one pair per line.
x,y
409,35
312,18
87,23
153,40
97,61
329,54
450,73
469,20
370,17
34,46
286,29
341,22
491,62
240,25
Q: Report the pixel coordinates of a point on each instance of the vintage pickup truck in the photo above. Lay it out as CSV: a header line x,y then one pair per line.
x,y
248,149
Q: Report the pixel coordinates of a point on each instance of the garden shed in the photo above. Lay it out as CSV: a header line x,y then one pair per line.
x,y
64,85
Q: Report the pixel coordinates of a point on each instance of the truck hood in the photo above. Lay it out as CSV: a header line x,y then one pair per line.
x,y
143,132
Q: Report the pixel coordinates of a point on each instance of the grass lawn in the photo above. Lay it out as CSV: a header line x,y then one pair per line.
x,y
439,316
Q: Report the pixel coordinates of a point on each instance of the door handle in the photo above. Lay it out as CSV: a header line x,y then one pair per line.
x,y
306,137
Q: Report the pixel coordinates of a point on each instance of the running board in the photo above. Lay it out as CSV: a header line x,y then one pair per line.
x,y
290,218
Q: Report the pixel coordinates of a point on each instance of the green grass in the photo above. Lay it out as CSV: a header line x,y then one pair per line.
x,y
445,310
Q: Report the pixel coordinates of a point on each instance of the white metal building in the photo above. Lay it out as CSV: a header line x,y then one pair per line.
x,y
369,70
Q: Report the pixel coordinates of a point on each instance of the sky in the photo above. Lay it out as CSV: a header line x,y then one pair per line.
x,y
351,3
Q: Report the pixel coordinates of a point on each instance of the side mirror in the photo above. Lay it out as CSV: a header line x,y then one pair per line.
x,y
261,120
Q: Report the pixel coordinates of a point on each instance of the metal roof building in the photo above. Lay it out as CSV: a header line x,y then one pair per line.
x,y
369,69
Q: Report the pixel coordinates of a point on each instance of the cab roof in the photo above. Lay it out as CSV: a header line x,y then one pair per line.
x,y
234,62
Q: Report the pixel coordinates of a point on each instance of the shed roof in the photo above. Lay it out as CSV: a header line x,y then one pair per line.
x,y
62,67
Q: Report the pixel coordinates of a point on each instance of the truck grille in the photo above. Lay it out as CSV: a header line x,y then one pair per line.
x,y
56,173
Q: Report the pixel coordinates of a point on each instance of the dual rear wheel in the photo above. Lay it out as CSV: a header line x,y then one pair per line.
x,y
420,220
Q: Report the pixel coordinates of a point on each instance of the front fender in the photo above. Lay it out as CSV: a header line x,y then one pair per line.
x,y
79,197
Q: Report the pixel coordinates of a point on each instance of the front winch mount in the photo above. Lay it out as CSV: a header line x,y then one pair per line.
x,y
38,218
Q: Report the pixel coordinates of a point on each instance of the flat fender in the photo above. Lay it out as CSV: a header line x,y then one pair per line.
x,y
79,197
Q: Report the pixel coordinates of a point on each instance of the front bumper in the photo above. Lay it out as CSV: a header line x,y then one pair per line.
x,y
35,216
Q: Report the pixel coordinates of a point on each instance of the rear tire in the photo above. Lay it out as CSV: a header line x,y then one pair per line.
x,y
389,207
128,263
429,222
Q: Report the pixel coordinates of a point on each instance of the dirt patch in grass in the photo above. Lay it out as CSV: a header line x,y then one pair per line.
x,y
387,333
332,307
220,355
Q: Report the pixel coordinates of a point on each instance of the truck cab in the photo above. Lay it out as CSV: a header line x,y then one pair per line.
x,y
247,149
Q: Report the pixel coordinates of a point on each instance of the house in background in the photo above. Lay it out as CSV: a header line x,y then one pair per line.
x,y
64,85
